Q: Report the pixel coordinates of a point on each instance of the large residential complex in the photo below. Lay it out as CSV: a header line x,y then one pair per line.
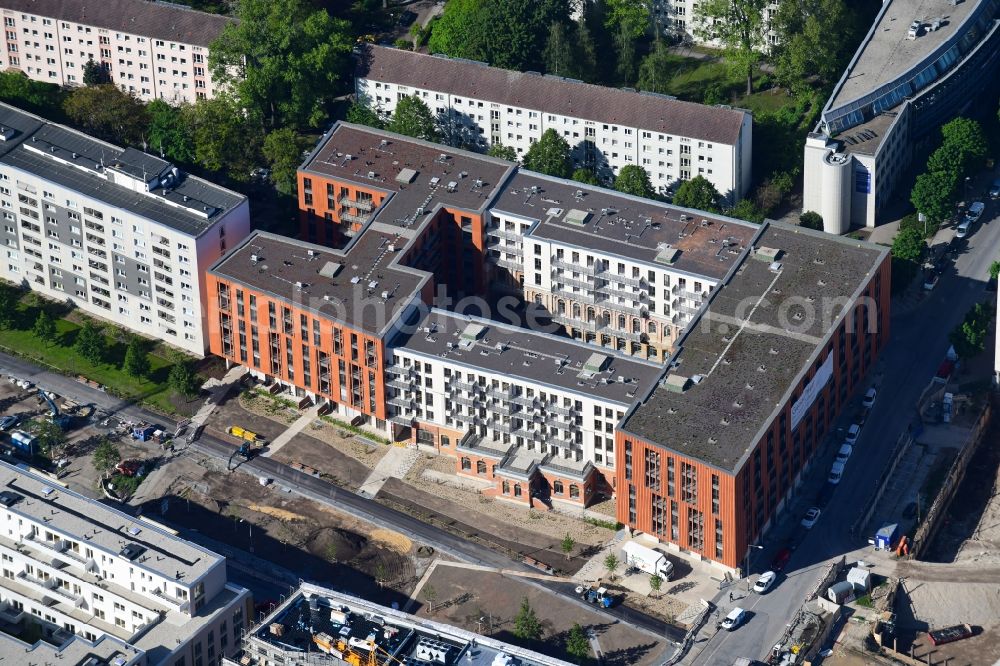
x,y
156,50
677,17
706,461
121,234
95,583
651,332
899,88
317,625
606,128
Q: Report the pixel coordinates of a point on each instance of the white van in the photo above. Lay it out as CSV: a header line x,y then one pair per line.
x,y
836,473
852,434
736,617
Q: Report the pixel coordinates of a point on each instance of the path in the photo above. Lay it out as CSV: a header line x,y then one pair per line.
x,y
291,431
393,465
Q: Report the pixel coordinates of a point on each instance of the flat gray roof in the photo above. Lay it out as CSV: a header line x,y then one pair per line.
x,y
374,159
747,372
86,165
535,356
308,275
106,651
552,94
101,526
626,226
888,53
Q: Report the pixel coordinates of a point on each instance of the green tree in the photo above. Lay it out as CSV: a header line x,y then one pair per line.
x,y
283,151
90,343
549,155
655,70
527,627
168,132
502,152
611,563
106,456
932,195
44,328
625,48
631,17
363,114
586,53
655,583
558,54
968,138
811,220
745,209
698,193
740,28
49,437
225,140
17,89
107,112
95,73
805,55
584,175
136,363
182,380
633,179
567,545
577,645
908,245
969,337
994,270
10,295
430,595
412,117
285,60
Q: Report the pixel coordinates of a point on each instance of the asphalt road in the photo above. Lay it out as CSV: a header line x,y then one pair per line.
x,y
919,341
322,491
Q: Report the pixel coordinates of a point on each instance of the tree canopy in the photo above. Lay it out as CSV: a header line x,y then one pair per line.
x,y
932,195
698,193
741,29
550,155
44,327
413,117
805,54
584,175
577,645
90,343
168,133
17,89
811,220
136,363
283,151
95,73
633,179
363,115
224,139
9,297
106,456
969,337
108,113
967,138
527,627
655,70
284,59
503,152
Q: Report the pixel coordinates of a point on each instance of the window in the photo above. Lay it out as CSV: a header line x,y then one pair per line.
x,y
466,464
557,487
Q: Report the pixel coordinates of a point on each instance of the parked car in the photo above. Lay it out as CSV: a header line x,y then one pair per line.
x,y
962,230
995,189
9,421
836,473
780,560
930,280
844,454
736,617
975,211
852,434
870,394
812,515
764,582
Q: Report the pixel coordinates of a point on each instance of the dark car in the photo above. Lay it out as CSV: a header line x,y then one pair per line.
x,y
10,421
780,560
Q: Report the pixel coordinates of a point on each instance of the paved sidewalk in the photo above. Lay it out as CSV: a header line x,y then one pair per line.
x,y
393,465
217,389
291,431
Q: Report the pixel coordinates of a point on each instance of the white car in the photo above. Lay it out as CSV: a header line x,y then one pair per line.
x,y
836,473
975,211
852,434
962,230
995,189
812,515
869,400
736,617
844,454
764,582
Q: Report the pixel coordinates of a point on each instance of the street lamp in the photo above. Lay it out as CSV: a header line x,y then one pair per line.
x,y
968,180
249,525
746,560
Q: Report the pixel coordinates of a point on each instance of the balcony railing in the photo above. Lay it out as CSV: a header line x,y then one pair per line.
x,y
364,204
579,268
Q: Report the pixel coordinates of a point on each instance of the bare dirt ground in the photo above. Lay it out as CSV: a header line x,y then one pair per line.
x,y
464,596
314,541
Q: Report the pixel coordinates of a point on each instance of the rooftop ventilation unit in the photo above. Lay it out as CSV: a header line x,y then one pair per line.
x,y
406,176
371,175
676,383
769,254
435,181
666,254
577,217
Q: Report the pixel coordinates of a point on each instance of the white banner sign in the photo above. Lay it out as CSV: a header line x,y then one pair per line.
x,y
815,385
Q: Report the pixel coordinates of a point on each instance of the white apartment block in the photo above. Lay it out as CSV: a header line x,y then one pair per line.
x,y
121,234
606,128
88,578
618,271
677,17
510,402
155,50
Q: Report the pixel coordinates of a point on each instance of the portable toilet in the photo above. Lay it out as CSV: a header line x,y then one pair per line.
x,y
861,579
841,593
886,536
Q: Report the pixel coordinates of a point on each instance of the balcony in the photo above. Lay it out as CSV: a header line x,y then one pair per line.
x,y
402,401
504,233
563,279
684,293
576,323
580,296
179,604
592,269
398,384
364,204
626,309
618,333
687,309
352,217
630,281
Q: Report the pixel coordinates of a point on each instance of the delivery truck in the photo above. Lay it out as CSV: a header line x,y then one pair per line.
x,y
646,559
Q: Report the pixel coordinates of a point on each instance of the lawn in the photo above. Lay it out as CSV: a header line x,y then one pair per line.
x,y
694,76
19,340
